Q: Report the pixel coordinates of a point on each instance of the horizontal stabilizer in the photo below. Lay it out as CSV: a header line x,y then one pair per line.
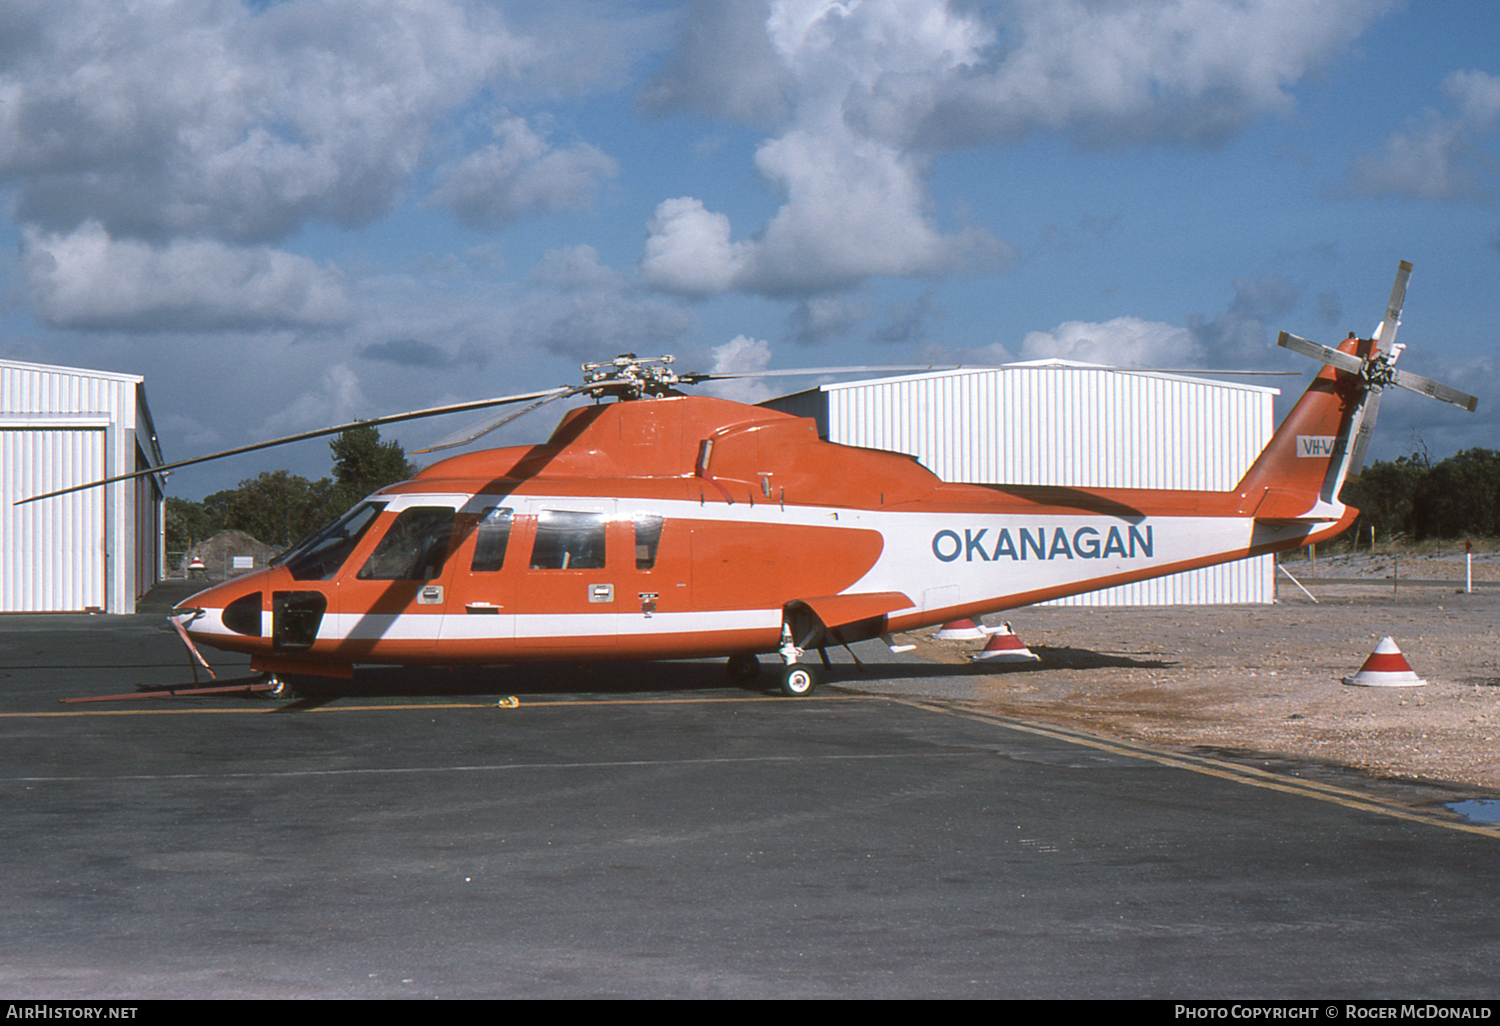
x,y
837,610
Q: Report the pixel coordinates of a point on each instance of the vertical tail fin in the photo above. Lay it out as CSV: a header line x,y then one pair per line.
x,y
1299,473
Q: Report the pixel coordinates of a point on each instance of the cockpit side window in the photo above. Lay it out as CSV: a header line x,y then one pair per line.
x,y
320,557
414,547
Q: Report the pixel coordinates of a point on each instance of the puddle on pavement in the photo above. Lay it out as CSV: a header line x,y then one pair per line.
x,y
1478,810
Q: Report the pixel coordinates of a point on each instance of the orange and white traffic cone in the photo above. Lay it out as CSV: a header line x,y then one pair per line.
x,y
1004,647
1386,668
960,630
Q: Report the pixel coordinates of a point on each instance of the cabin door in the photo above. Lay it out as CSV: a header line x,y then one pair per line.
x,y
568,593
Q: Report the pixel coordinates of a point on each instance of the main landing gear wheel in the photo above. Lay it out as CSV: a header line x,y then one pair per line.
x,y
743,667
287,685
798,681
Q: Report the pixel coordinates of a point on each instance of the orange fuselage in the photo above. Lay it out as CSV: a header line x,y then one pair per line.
x,y
691,526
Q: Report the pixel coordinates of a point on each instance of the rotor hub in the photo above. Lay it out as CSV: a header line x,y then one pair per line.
x,y
628,376
1378,373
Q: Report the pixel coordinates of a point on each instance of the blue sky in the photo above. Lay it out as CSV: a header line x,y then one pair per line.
x,y
293,214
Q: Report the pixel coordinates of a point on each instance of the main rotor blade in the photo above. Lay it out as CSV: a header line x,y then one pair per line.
x,y
694,377
1385,336
434,411
1343,361
471,433
1427,386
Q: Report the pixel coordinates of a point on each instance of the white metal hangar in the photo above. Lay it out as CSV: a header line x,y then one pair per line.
x,y
1055,422
96,550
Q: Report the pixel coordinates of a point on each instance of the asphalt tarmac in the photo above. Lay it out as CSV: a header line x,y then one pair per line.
x,y
656,831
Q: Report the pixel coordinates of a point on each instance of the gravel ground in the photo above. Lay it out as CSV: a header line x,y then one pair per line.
x,y
1269,678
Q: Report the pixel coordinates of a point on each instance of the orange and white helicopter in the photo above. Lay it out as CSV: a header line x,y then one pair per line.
x,y
662,526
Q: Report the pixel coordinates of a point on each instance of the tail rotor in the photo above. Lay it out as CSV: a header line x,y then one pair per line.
x,y
1373,363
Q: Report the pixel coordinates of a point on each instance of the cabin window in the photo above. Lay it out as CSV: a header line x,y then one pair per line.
x,y
568,540
647,538
493,537
320,557
414,548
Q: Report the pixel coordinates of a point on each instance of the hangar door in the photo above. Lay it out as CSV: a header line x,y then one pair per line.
x,y
53,552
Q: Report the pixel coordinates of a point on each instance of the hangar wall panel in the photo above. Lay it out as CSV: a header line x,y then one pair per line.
x,y
98,549
52,554
1071,426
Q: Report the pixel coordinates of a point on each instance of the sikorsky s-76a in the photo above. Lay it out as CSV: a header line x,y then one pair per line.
x,y
662,525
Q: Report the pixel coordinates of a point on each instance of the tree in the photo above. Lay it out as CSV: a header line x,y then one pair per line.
x,y
1459,496
279,507
187,523
276,507
1384,494
363,463
1413,497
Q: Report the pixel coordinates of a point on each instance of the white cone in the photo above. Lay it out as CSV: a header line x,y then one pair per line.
x,y
1004,647
960,630
1386,668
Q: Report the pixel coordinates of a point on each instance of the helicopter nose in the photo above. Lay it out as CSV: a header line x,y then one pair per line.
x,y
233,607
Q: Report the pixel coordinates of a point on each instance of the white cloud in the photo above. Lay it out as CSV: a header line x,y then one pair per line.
x,y
856,209
575,269
856,206
723,65
85,279
865,95
338,399
1126,70
244,121
1238,338
520,175
1122,342
1444,158
689,251
822,317
741,355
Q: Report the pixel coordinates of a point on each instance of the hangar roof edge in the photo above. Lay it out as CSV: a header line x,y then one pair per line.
x,y
88,371
1204,376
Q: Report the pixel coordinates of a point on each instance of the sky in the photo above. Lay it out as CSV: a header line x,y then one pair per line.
x,y
290,215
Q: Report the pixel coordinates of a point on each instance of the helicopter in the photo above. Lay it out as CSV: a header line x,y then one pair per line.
x,y
657,524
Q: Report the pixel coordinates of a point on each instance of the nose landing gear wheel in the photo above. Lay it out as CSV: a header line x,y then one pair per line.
x,y
798,681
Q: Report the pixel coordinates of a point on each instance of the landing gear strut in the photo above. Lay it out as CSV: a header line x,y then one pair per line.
x,y
797,680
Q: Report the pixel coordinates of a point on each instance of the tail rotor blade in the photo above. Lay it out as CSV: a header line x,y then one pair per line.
x,y
1343,361
1436,390
1385,336
1362,436
1378,370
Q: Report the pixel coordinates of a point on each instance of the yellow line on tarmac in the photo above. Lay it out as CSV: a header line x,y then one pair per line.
x,y
332,708
1248,775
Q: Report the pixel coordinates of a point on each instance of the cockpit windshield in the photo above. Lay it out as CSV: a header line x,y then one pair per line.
x,y
320,556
